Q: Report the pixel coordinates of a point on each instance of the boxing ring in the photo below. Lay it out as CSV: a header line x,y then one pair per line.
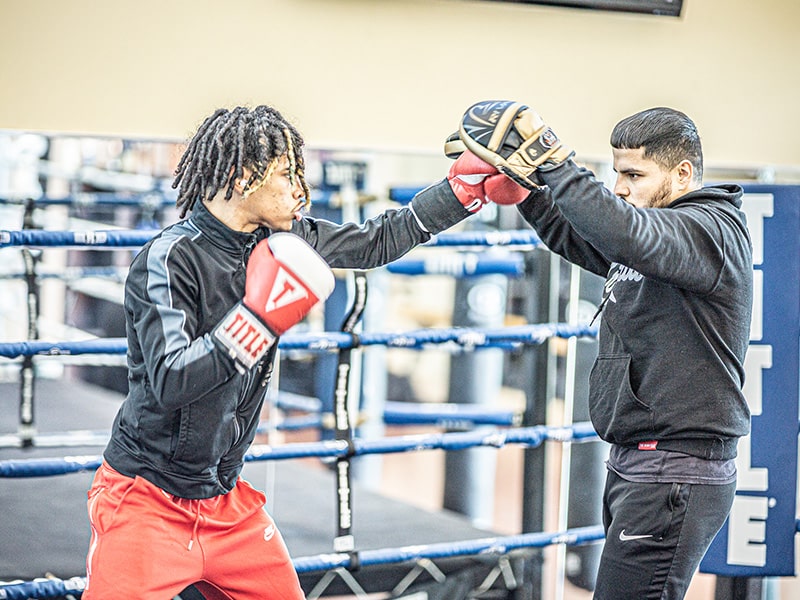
x,y
505,429
344,538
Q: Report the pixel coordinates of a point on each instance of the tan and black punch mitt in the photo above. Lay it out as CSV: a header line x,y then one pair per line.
x,y
511,137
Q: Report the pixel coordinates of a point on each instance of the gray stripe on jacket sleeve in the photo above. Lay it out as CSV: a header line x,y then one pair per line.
x,y
173,320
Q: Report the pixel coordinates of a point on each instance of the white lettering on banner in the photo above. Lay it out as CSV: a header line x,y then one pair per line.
x,y
747,527
747,522
757,321
758,359
757,207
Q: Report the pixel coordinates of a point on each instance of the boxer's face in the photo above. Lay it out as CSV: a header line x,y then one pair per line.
x,y
644,183
275,201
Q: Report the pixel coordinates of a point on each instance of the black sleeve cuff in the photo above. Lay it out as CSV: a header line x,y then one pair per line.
x,y
437,207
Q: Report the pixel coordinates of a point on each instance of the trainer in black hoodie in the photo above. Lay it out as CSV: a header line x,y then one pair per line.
x,y
676,308
666,388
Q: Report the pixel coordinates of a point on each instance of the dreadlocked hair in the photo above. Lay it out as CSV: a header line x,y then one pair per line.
x,y
229,141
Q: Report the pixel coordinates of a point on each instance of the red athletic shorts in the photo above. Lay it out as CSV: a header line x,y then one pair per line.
x,y
149,544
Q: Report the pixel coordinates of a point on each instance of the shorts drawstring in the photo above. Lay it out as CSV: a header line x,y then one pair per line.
x,y
196,523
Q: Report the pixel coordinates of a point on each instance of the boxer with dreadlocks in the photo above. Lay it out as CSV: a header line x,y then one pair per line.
x,y
214,157
205,303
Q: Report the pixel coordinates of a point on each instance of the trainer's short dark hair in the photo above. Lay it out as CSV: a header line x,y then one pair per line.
x,y
667,136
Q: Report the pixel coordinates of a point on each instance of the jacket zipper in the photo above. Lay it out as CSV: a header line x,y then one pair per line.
x,y
250,392
247,249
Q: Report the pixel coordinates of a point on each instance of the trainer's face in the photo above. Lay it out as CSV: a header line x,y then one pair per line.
x,y
277,201
644,183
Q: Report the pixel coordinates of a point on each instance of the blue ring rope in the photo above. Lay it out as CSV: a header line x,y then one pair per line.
x,y
54,588
497,438
151,199
332,340
120,238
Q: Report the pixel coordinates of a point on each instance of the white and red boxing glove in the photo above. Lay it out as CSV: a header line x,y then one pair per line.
x,y
476,182
285,279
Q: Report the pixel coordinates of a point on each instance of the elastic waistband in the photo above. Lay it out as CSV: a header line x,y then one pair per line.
x,y
708,448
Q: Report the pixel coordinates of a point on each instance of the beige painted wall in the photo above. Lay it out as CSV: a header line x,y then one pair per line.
x,y
396,74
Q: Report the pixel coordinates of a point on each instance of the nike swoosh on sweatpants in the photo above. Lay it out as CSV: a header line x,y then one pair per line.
x,y
624,538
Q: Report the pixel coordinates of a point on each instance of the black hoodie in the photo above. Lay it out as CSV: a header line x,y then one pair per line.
x,y
676,308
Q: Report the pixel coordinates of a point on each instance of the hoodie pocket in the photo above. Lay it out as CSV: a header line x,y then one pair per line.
x,y
617,414
205,431
179,446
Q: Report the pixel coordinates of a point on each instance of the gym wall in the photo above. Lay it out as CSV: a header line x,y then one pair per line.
x,y
396,74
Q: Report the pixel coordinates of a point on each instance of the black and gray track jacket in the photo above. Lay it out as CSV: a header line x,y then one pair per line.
x,y
676,308
190,415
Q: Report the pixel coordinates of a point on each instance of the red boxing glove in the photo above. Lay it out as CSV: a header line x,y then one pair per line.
x,y
475,182
285,279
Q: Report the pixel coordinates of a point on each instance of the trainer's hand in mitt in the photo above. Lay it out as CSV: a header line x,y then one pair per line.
x,y
453,146
513,138
475,183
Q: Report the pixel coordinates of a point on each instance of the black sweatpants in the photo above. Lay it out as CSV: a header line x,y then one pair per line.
x,y
656,536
